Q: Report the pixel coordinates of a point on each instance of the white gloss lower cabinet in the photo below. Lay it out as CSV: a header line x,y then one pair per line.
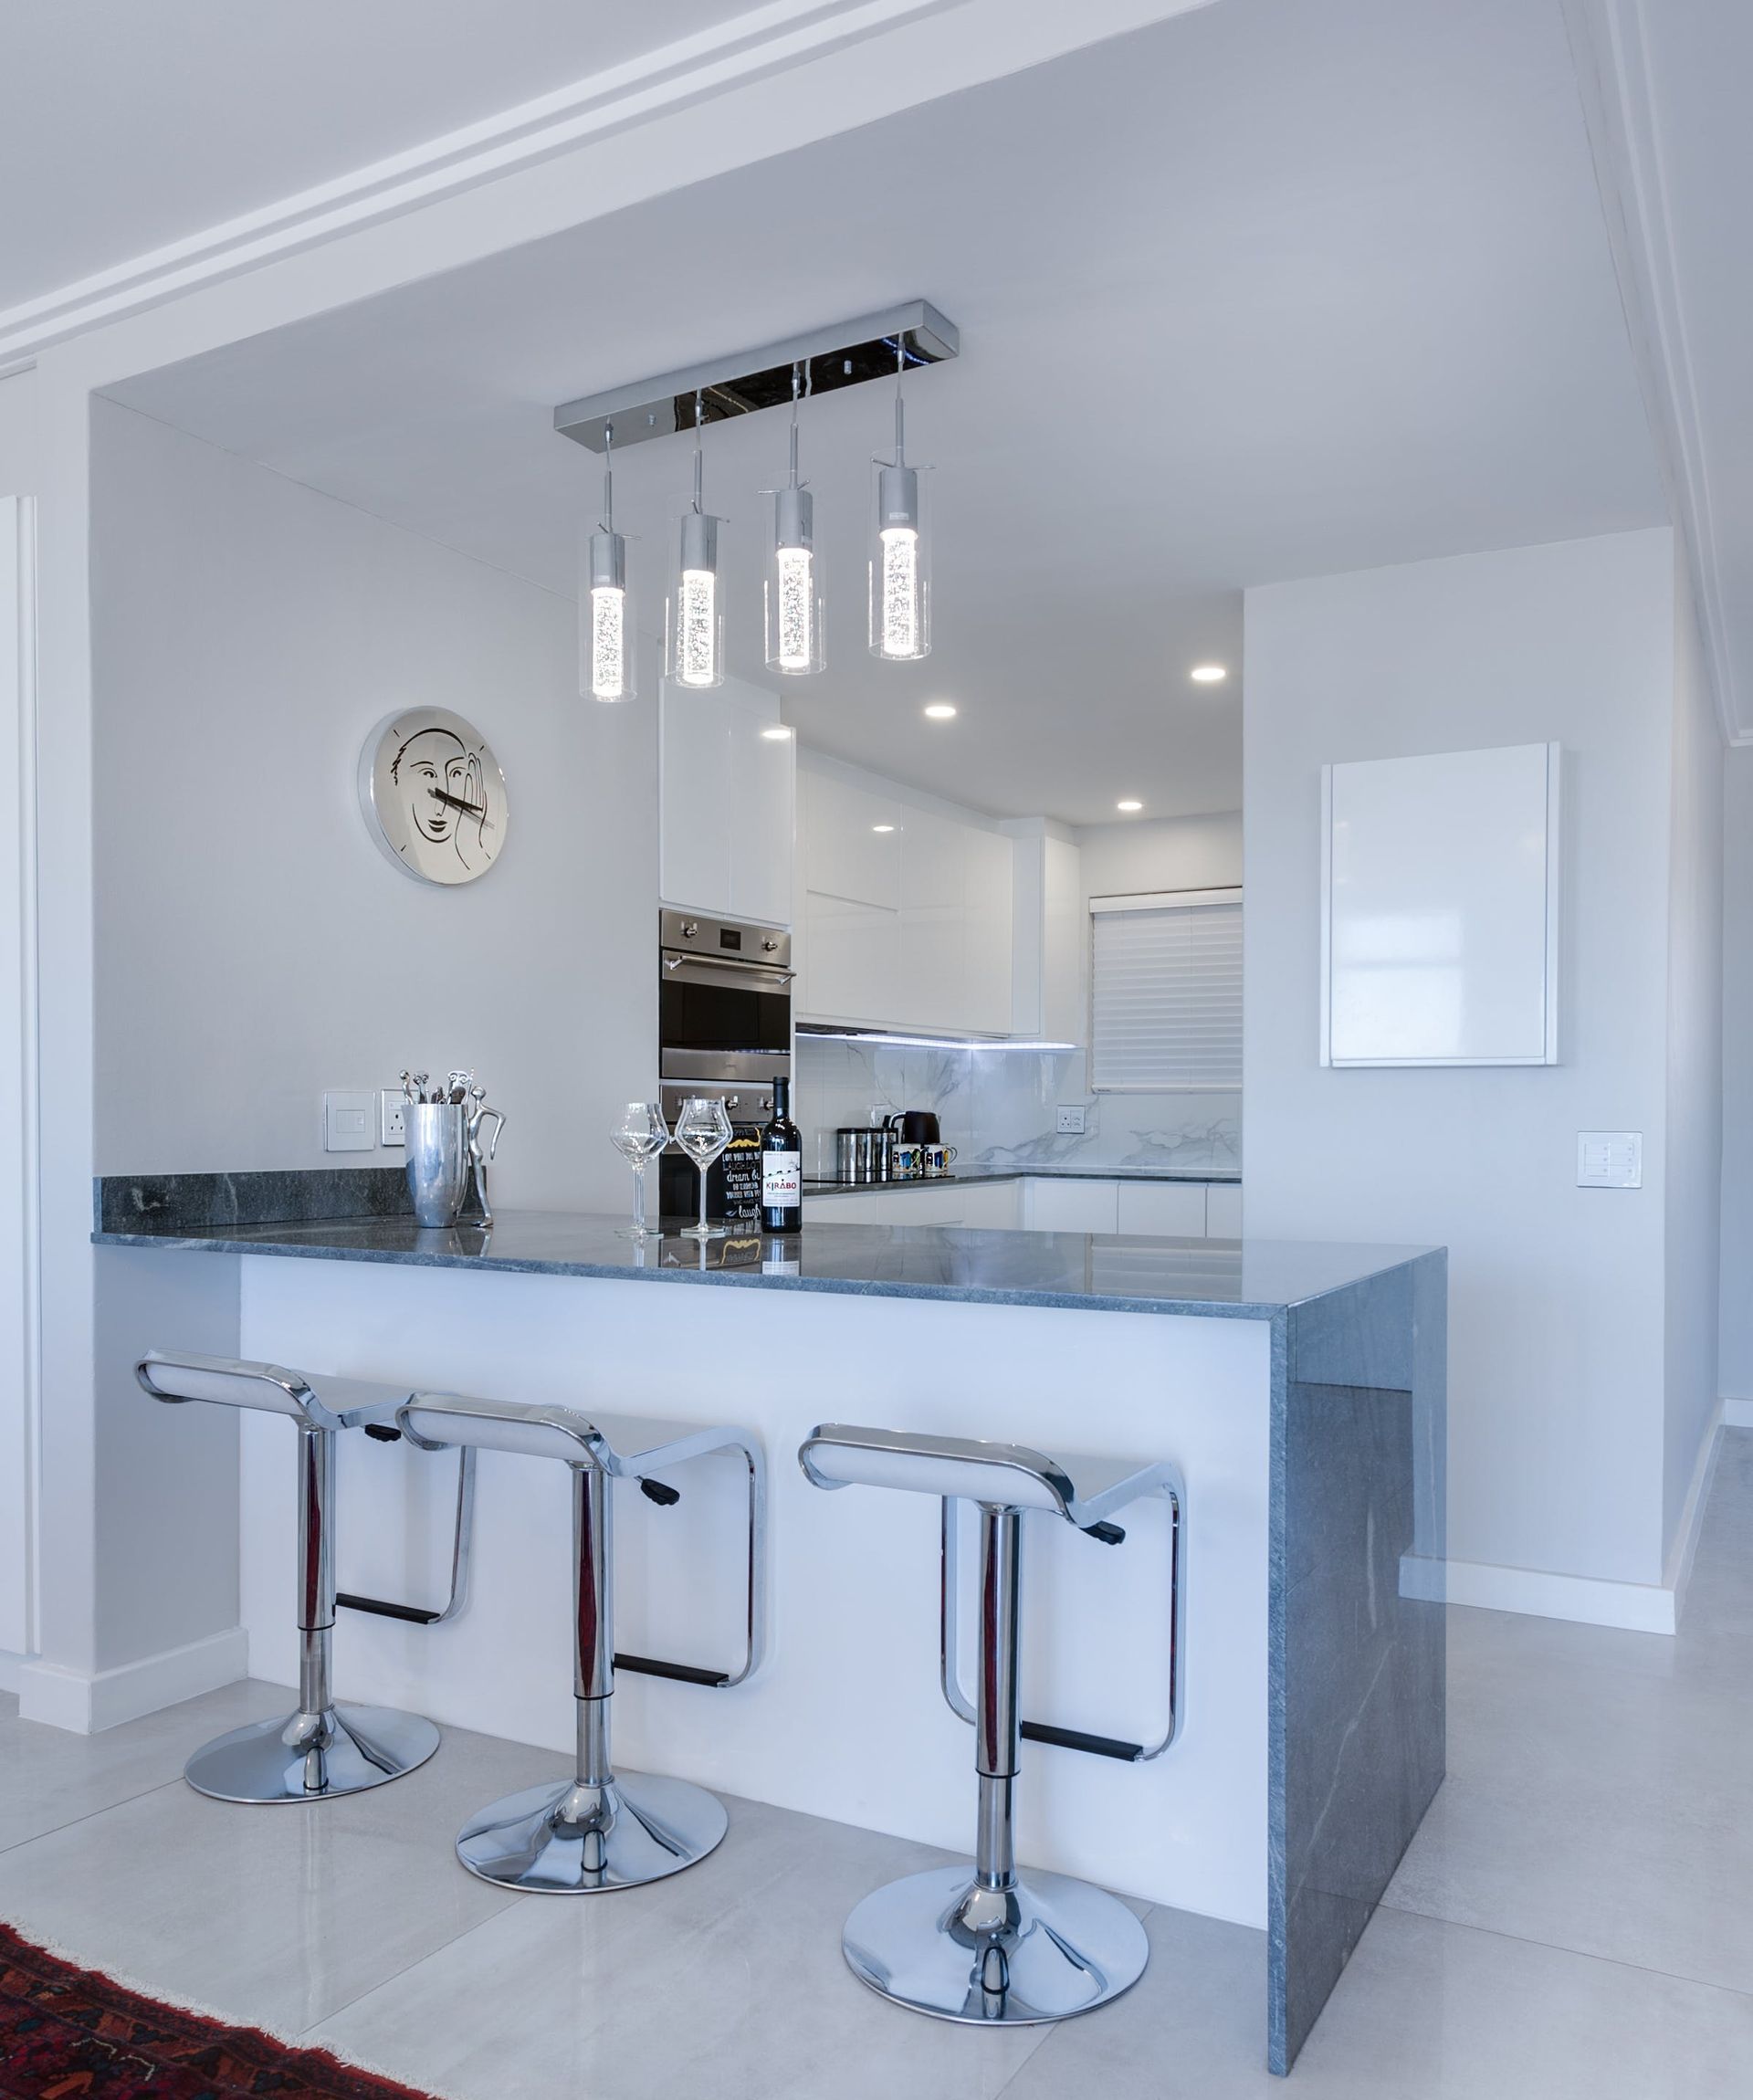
x,y
1070,1206
1224,1211
1175,1209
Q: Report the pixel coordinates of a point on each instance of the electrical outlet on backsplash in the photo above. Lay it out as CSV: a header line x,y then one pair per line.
x,y
1000,1108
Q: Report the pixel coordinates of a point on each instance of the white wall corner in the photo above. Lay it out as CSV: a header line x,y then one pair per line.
x,y
86,1703
1737,1414
1691,1514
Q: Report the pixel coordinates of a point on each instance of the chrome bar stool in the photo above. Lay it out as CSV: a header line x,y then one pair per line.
x,y
323,1748
600,1829
994,1948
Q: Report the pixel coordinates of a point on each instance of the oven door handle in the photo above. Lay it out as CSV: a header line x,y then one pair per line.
x,y
704,969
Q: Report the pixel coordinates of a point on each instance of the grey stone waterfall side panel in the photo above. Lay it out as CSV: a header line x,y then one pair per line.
x,y
1356,1671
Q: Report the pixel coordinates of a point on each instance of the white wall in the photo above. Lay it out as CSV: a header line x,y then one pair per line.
x,y
1736,1326
18,434
1161,853
253,945
1557,1352
1693,1248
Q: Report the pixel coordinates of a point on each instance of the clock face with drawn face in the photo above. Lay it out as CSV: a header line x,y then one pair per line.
x,y
432,795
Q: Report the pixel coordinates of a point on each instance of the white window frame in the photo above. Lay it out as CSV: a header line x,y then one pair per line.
x,y
1151,900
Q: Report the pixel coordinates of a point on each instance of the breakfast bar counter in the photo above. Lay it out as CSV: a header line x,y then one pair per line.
x,y
1298,1389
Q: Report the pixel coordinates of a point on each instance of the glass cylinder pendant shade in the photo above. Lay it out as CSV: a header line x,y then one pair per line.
x,y
900,566
695,624
605,636
796,642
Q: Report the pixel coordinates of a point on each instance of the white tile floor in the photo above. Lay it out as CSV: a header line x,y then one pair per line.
x,y
1575,1919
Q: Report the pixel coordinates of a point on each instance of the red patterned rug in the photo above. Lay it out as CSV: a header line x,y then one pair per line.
x,y
69,2033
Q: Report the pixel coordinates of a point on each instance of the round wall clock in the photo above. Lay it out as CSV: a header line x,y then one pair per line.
x,y
433,795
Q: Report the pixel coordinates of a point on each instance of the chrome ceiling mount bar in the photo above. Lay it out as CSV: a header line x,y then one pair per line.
x,y
845,356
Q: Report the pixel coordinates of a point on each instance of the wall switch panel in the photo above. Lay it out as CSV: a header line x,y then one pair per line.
x,y
1610,1158
390,1129
1071,1123
347,1123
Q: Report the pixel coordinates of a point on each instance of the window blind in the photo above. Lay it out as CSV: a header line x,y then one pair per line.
x,y
1166,992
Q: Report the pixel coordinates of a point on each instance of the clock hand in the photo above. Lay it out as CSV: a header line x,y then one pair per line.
x,y
456,801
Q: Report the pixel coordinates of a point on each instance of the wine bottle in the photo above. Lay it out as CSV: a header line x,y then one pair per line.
x,y
782,1167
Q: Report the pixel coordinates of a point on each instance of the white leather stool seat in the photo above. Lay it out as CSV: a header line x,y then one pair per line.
x,y
627,1446
1083,1490
314,1398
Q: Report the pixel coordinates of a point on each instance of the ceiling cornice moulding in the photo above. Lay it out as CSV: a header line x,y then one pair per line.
x,y
1611,52
761,41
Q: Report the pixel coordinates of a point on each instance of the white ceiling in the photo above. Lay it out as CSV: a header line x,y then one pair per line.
x,y
130,125
1271,289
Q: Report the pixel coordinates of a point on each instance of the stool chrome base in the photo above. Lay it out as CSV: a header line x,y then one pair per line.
x,y
568,1839
1043,1949
310,1756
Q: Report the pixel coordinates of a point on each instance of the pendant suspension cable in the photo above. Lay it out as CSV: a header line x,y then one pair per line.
x,y
699,464
608,478
794,383
901,427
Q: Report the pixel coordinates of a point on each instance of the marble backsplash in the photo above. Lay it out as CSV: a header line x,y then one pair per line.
x,y
999,1107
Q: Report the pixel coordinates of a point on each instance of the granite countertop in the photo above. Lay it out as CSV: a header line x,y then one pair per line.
x,y
1095,1272
815,1185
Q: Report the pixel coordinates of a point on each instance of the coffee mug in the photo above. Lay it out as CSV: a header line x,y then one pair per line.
x,y
908,1163
937,1157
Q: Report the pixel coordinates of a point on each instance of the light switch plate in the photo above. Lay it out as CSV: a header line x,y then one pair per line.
x,y
1610,1158
1071,1123
391,1130
347,1122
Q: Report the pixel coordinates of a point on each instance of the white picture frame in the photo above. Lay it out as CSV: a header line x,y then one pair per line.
x,y
1440,918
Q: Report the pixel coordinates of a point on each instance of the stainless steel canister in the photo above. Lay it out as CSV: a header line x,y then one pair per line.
x,y
439,1162
882,1153
846,1153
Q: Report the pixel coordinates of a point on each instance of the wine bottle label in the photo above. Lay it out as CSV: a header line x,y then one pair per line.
x,y
781,1179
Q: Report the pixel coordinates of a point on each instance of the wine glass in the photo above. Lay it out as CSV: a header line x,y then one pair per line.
x,y
639,1135
703,1131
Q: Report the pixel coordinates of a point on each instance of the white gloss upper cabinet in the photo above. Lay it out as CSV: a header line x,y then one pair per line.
x,y
904,914
727,802
1048,1000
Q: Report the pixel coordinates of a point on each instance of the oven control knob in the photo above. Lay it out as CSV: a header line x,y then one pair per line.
x,y
770,947
691,926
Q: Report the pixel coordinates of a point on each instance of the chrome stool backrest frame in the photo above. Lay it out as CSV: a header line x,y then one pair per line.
x,y
323,1748
998,1948
600,1829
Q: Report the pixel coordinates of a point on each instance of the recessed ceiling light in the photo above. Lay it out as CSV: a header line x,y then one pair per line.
x,y
882,827
1129,806
941,712
776,735
1209,673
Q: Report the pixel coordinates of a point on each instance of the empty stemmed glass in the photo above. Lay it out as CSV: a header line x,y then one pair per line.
x,y
639,1135
703,1131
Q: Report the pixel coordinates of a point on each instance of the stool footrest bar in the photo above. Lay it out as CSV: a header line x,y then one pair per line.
x,y
415,1615
682,1672
1077,1740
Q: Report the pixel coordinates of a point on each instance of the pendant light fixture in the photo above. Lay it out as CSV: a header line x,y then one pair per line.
x,y
605,640
695,624
796,631
900,554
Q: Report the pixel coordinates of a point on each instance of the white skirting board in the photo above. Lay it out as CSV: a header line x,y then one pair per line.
x,y
1737,1414
1640,1607
10,1666
88,1702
